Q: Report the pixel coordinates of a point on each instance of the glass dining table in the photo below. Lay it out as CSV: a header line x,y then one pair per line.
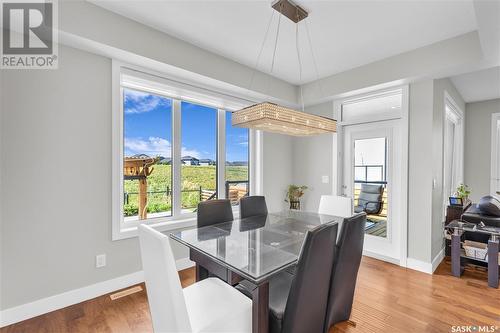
x,y
255,249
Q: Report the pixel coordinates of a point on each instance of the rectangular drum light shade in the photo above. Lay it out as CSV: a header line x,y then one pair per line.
x,y
271,117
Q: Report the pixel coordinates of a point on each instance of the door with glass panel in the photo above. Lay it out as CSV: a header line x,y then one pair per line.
x,y
371,172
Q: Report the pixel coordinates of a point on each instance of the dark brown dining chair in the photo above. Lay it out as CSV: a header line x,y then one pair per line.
x,y
214,211
253,206
348,254
298,303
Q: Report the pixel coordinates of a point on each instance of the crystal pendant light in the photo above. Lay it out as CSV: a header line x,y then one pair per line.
x,y
275,118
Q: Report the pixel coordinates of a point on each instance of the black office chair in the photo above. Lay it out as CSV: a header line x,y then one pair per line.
x,y
345,269
370,199
298,303
253,206
214,211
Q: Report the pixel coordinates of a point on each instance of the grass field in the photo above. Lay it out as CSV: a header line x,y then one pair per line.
x,y
193,177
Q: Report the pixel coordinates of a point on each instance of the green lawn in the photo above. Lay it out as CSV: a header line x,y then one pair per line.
x,y
193,177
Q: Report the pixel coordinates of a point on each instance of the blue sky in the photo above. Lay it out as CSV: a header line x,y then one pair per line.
x,y
148,129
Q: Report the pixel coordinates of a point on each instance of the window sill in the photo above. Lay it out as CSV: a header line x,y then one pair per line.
x,y
164,225
160,225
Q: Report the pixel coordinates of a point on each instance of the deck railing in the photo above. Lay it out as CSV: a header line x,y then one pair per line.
x,y
234,190
370,167
383,212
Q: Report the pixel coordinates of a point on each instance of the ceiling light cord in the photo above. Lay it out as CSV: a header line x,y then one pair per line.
x,y
314,60
260,52
300,65
276,40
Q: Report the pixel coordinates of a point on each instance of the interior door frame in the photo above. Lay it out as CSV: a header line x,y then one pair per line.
x,y
457,116
386,248
338,147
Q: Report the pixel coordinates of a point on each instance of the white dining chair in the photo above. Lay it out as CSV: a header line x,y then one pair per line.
x,y
206,306
335,205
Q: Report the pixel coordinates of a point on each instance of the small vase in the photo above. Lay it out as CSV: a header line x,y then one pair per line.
x,y
295,205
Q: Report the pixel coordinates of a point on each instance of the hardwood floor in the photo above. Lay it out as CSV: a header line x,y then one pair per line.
x,y
388,299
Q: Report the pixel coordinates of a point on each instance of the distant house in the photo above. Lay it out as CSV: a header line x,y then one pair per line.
x,y
237,163
207,162
190,160
140,156
165,160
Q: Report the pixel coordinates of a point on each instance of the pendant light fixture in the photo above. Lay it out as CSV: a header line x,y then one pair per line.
x,y
275,118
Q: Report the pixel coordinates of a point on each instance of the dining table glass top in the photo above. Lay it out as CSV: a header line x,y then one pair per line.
x,y
255,247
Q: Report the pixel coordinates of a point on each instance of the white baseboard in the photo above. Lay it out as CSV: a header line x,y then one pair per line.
x,y
381,257
419,265
437,260
52,303
426,267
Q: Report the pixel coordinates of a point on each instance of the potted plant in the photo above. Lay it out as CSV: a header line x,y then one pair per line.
x,y
293,195
463,192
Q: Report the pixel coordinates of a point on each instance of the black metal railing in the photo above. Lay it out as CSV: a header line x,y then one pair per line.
x,y
370,182
236,182
370,167
168,191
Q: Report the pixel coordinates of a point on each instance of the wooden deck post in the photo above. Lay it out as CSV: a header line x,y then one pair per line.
x,y
139,168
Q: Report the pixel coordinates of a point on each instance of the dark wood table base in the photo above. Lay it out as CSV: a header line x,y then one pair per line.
x,y
260,308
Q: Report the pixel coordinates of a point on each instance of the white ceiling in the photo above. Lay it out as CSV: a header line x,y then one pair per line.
x,y
478,86
344,34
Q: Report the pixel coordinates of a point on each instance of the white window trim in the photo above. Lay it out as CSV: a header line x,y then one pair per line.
x,y
387,115
495,158
456,115
223,103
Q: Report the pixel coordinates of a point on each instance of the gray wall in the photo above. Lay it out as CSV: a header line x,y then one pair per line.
x,y
56,171
478,146
419,174
1,186
312,159
277,169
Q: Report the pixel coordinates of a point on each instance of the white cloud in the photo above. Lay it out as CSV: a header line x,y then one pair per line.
x,y
135,95
190,152
154,146
143,102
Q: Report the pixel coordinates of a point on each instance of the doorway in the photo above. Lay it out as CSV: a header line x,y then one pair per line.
x,y
373,168
372,179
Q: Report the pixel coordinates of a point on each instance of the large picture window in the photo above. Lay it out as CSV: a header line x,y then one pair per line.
x,y
174,151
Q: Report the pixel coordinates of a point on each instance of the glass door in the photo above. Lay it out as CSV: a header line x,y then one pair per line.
x,y
370,173
370,183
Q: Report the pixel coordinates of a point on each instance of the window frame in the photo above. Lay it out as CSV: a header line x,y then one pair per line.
x,y
452,113
177,220
249,166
